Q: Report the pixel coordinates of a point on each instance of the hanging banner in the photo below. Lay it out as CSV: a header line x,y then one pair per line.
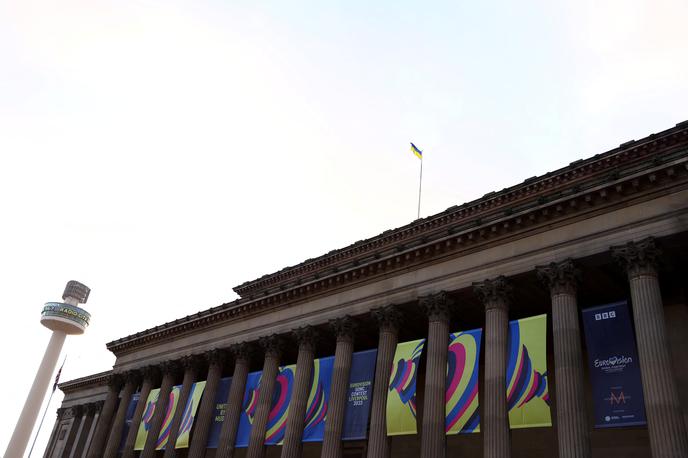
x,y
146,419
617,389
169,415
189,414
248,409
401,396
318,399
277,419
219,413
461,408
127,419
361,379
526,373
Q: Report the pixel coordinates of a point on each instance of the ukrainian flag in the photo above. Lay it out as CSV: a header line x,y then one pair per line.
x,y
416,151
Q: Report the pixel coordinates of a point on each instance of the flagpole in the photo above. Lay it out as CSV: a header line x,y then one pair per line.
x,y
50,398
420,185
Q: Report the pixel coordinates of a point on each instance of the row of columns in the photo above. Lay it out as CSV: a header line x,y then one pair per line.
x,y
79,433
665,424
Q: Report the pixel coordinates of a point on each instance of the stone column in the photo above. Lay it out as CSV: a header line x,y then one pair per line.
x,y
190,364
151,375
664,418
53,435
573,430
272,347
98,407
389,319
344,328
293,435
78,449
235,398
115,436
97,446
170,369
199,441
434,438
495,420
78,412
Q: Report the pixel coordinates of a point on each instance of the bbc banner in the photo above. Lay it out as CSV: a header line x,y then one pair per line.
x,y
361,379
617,389
166,426
527,393
318,399
219,413
462,414
248,409
279,410
184,434
401,395
146,419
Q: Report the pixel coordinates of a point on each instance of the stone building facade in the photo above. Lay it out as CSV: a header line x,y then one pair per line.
x,y
608,228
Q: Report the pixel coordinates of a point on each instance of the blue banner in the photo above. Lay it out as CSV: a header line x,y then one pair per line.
x,y
248,409
361,379
128,417
219,413
614,370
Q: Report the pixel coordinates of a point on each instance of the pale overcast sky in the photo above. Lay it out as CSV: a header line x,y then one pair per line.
x,y
162,152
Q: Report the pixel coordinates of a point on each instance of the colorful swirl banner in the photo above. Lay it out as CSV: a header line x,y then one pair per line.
x,y
189,414
169,415
277,419
248,409
146,419
461,397
527,387
401,399
318,399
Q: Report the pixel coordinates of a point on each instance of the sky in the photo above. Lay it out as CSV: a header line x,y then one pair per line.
x,y
163,152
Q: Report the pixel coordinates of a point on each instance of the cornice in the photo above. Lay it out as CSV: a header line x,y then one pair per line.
x,y
659,172
84,382
580,170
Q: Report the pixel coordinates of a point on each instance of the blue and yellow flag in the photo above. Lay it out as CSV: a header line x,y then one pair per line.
x,y
416,151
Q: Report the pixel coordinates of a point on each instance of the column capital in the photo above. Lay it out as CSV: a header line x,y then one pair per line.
x,y
115,381
344,328
436,306
560,277
171,367
78,410
242,351
191,362
494,293
91,408
151,373
99,405
216,356
388,317
271,345
60,412
638,258
306,337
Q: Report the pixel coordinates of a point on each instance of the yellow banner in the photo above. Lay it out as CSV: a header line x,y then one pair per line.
x,y
146,419
189,414
527,391
169,415
401,395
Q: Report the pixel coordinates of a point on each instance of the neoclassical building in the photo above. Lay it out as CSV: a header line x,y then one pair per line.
x,y
610,228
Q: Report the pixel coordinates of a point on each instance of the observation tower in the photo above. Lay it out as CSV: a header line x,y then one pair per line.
x,y
62,318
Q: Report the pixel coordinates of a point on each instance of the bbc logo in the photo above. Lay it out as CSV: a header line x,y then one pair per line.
x,y
605,315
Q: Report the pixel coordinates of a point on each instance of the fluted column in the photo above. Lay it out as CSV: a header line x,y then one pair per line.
x,y
190,364
78,412
115,436
98,407
305,336
151,376
272,348
495,421
389,319
78,449
53,435
664,418
242,356
97,446
434,438
344,328
573,430
199,441
170,370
